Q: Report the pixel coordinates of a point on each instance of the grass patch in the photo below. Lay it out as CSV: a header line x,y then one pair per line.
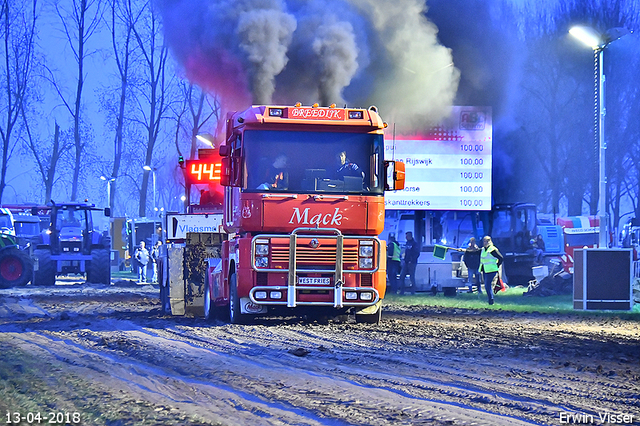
x,y
123,275
510,300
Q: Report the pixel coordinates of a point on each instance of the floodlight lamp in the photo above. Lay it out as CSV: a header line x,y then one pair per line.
x,y
588,36
206,138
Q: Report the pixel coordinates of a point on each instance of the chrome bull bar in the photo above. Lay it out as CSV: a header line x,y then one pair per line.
x,y
293,269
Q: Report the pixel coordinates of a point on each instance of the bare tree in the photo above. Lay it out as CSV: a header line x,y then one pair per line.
x,y
202,111
198,113
47,159
123,20
555,132
152,94
18,42
79,24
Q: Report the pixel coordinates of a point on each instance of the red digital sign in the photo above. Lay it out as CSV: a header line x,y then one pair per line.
x,y
203,171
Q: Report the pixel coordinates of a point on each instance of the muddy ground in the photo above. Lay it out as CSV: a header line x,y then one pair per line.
x,y
108,354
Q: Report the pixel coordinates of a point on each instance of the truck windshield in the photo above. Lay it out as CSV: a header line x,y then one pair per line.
x,y
312,162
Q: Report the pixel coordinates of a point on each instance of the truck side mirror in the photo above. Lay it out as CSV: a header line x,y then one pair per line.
x,y
394,175
224,150
225,171
107,212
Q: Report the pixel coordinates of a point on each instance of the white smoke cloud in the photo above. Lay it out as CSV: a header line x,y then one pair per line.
x,y
420,83
358,52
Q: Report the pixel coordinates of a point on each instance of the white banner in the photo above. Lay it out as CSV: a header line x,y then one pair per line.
x,y
178,225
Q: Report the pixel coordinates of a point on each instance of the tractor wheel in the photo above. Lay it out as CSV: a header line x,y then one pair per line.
x,y
16,268
47,268
99,270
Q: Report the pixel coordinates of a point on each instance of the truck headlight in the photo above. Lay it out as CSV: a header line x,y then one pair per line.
x,y
262,262
262,249
366,251
366,296
365,263
350,295
260,294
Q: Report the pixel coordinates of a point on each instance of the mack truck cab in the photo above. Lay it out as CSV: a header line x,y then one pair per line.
x,y
303,205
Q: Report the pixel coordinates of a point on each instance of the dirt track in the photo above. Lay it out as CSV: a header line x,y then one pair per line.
x,y
108,354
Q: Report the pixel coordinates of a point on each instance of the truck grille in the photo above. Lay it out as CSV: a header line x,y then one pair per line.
x,y
325,255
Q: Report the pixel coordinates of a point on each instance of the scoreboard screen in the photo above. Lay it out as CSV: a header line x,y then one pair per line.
x,y
448,167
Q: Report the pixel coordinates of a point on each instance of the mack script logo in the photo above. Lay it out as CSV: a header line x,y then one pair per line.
x,y
302,217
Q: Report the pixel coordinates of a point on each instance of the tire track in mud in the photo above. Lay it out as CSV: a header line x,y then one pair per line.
x,y
504,389
196,397
329,397
419,366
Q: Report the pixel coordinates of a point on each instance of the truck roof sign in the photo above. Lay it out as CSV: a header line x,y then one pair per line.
x,y
308,113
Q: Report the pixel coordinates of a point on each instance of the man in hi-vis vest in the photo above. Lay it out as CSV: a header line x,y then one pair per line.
x,y
393,263
490,261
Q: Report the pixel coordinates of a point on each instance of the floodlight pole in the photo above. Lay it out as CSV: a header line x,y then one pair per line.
x,y
602,195
598,42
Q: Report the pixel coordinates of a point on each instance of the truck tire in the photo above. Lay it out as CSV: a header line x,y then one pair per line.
x,y
369,318
47,268
16,268
209,308
235,314
99,270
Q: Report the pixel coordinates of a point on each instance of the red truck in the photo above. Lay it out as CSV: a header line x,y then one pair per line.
x,y
579,232
303,206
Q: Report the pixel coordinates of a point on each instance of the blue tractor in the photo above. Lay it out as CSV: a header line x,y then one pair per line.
x,y
71,245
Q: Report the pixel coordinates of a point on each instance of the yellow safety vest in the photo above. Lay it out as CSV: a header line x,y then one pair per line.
x,y
488,262
396,252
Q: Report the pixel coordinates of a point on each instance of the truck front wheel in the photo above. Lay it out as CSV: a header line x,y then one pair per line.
x,y
235,315
370,318
209,308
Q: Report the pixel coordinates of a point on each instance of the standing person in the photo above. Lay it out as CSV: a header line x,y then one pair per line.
x,y
411,254
393,263
539,249
155,255
490,261
472,262
142,256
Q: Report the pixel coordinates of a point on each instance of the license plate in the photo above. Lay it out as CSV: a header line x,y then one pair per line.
x,y
314,280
